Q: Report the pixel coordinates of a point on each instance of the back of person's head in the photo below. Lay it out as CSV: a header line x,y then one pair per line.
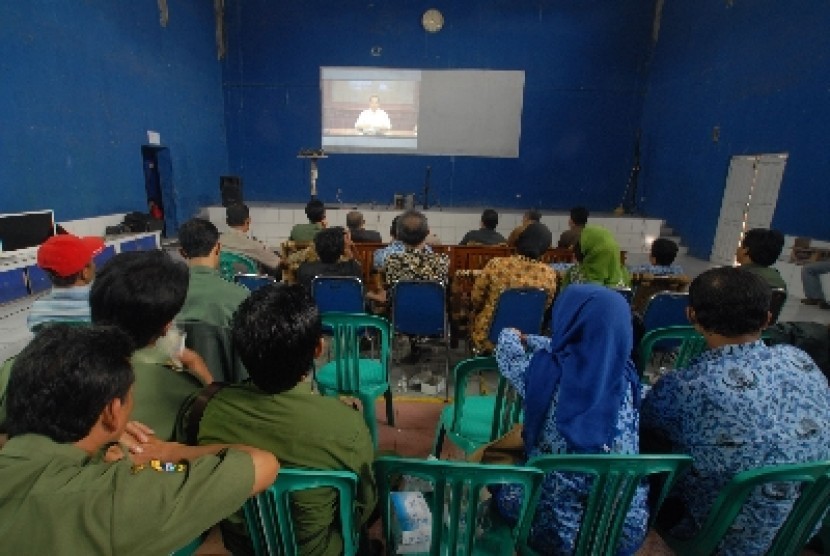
x,y
354,220
330,243
315,210
197,237
490,219
62,381
413,227
534,240
64,257
393,229
237,215
730,301
579,216
763,246
664,251
276,332
140,292
533,215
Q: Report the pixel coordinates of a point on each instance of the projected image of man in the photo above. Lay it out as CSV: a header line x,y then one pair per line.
x,y
373,120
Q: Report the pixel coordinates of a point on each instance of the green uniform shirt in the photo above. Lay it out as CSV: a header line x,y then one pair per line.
x,y
305,232
769,274
55,500
210,298
303,430
159,390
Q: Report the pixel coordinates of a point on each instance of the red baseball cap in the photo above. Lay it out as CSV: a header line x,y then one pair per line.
x,y
65,254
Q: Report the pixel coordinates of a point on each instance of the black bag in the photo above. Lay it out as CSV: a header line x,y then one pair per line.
x,y
137,221
812,337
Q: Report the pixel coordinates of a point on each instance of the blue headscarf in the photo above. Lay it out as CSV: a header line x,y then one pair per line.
x,y
589,360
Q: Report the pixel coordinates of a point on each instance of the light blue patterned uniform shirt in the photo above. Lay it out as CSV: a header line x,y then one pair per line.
x,y
735,408
60,305
559,513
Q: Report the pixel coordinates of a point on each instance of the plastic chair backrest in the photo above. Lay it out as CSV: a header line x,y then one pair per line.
x,y
231,263
624,291
808,509
106,254
776,303
454,499
521,308
692,344
214,344
253,281
39,280
342,294
616,478
13,285
418,308
666,309
646,285
268,514
347,329
508,404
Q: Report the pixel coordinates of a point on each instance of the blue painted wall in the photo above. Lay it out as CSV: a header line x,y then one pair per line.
x,y
80,85
760,71
584,64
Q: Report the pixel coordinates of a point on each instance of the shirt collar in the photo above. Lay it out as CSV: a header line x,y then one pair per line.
x,y
732,351
151,355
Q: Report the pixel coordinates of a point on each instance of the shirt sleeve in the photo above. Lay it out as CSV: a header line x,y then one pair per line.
x,y
156,512
480,287
661,409
513,359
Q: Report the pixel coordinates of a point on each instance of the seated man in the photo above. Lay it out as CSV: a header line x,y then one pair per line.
x,y
576,223
661,260
759,250
395,246
68,260
278,333
236,240
330,245
141,292
70,396
315,211
739,405
356,224
811,279
530,216
486,234
374,119
210,298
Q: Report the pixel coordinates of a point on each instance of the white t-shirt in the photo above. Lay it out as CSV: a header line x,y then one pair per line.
x,y
372,121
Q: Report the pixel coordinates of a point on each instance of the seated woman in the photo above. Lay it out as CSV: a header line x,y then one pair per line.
x,y
581,395
520,270
598,260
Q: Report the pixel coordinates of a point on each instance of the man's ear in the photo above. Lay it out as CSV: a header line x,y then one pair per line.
x,y
768,322
318,350
114,416
690,316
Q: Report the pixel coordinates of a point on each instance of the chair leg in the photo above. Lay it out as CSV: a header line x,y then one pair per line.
x,y
370,418
439,440
447,374
390,412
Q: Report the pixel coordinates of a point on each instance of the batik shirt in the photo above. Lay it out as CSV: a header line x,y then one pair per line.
x,y
380,256
559,513
735,408
416,264
657,269
498,275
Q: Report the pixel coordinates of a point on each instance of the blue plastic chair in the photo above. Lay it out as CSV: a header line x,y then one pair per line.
x,y
268,514
253,281
520,308
106,254
666,309
624,291
338,294
13,285
39,280
350,374
419,309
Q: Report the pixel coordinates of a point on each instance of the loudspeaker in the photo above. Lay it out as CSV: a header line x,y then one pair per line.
x,y
231,189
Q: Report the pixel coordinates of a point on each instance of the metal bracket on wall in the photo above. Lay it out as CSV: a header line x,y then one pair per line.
x,y
164,14
221,39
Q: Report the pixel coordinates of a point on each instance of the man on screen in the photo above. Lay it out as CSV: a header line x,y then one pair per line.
x,y
373,120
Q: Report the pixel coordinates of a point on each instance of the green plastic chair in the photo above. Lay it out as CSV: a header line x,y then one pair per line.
x,y
231,264
214,344
351,375
691,342
472,421
454,502
807,511
616,478
268,514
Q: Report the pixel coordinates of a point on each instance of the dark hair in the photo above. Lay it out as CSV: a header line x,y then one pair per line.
x,y
237,214
578,254
330,244
533,214
197,238
62,381
62,281
413,227
276,330
315,211
579,216
393,229
534,240
730,301
763,246
490,219
354,219
664,251
140,292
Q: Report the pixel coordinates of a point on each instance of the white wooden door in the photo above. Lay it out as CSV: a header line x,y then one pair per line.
x,y
749,200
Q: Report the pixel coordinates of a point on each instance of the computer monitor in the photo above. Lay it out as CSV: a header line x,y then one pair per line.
x,y
26,229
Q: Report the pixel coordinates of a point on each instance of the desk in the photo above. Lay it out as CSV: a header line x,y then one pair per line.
x,y
352,132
